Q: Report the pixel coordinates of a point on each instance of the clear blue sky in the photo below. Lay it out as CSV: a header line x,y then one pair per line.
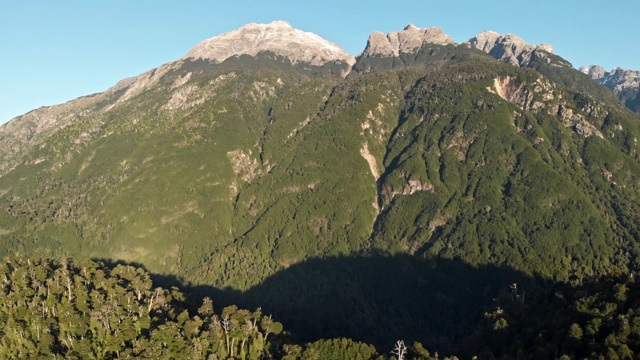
x,y
55,51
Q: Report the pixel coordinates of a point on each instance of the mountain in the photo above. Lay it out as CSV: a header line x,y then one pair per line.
x,y
624,83
413,47
279,37
268,167
510,48
515,51
30,130
406,41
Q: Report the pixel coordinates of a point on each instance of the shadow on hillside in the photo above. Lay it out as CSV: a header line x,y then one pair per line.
x,y
375,299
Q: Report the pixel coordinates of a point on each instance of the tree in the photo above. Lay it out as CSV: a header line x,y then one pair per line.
x,y
400,350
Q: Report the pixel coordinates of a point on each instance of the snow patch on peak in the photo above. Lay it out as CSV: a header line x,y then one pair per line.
x,y
278,37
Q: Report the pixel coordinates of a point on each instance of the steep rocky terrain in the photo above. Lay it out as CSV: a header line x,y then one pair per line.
x,y
513,50
509,48
410,47
267,166
408,40
624,83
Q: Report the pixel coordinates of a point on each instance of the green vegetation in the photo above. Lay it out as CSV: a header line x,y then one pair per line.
x,y
391,204
87,311
596,320
55,308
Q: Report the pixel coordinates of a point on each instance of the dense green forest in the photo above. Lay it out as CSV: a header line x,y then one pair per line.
x,y
86,310
598,319
51,308
278,165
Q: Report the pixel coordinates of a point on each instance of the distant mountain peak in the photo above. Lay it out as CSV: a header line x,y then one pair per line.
x,y
509,48
595,72
408,40
625,83
278,37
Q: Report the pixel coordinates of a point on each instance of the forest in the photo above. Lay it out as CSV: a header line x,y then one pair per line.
x,y
87,310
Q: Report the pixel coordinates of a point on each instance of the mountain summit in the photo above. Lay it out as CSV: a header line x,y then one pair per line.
x,y
508,48
618,79
278,37
408,40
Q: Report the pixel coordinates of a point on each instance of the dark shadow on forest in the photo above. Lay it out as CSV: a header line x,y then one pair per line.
x,y
375,299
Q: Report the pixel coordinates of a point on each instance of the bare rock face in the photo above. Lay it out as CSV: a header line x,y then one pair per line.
x,y
594,71
278,37
408,40
508,48
618,79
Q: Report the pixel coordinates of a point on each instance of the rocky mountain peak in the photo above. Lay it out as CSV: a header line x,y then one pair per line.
x,y
618,79
594,71
278,37
508,48
408,40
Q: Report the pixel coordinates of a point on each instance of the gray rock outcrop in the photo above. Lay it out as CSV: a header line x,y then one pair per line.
x,y
595,72
618,79
408,40
508,48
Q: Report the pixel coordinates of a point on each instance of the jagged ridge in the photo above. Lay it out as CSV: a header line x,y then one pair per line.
x,y
617,79
408,40
508,48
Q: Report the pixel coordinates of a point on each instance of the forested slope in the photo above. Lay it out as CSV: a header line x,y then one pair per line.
x,y
406,194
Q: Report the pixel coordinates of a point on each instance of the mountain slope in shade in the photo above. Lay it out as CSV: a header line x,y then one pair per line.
x,y
617,79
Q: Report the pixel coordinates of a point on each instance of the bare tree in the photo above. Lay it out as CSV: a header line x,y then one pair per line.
x,y
400,349
226,326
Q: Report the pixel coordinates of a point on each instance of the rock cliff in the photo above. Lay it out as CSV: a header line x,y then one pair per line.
x,y
508,48
618,79
624,83
408,40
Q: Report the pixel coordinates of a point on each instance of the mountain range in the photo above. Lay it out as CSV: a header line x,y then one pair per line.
x,y
272,168
624,83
